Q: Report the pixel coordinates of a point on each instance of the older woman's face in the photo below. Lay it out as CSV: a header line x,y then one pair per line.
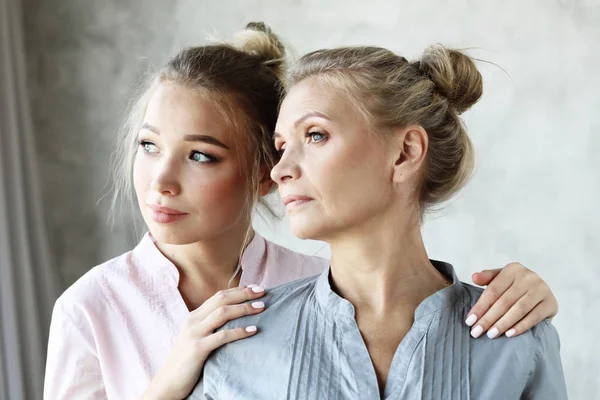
x,y
334,175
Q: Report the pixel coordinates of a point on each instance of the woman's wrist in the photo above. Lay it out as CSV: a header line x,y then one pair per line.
x,y
158,391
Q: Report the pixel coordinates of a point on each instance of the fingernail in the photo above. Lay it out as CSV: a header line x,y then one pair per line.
x,y
511,332
477,331
258,304
251,329
258,289
251,285
492,333
471,320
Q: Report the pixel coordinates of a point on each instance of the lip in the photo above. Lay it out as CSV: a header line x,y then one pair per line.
x,y
165,210
295,200
165,215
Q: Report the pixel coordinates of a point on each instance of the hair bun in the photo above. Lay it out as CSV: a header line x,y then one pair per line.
x,y
455,76
258,39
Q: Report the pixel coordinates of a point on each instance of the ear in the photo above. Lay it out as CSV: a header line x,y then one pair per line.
x,y
412,143
266,183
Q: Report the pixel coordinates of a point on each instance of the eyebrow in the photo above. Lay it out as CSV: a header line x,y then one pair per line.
x,y
150,128
192,138
206,139
303,118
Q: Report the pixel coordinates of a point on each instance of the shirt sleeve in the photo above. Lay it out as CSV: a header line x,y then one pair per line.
x,y
72,366
546,379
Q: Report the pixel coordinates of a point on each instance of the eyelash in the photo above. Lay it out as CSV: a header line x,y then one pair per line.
x,y
144,143
211,159
309,134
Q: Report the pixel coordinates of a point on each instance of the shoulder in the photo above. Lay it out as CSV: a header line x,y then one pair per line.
x,y
527,339
291,295
546,336
281,302
472,293
518,350
82,311
292,290
526,353
546,377
541,336
546,342
532,356
277,330
89,292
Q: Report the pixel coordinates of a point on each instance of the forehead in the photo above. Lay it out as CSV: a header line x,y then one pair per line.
x,y
178,109
314,95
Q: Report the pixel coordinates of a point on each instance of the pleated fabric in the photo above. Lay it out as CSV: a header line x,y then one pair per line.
x,y
309,347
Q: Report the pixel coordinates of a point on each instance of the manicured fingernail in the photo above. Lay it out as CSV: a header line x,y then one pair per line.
x,y
471,320
251,329
493,333
258,304
258,289
477,331
511,332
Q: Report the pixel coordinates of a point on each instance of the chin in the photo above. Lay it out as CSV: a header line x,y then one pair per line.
x,y
168,236
306,228
177,233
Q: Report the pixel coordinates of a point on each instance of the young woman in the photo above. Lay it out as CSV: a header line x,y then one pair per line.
x,y
369,141
198,152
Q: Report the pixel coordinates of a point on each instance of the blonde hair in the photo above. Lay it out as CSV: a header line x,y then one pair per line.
x,y
243,78
392,92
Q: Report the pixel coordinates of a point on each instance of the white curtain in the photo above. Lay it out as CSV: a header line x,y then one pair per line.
x,y
28,284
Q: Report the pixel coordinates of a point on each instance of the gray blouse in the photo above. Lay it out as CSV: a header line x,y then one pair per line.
x,y
309,347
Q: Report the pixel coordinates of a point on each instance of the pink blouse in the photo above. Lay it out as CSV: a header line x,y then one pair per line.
x,y
112,330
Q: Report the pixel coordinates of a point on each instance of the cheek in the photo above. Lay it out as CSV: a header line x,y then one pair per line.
x,y
218,191
350,178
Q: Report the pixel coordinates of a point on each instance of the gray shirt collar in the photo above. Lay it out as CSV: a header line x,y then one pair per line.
x,y
441,299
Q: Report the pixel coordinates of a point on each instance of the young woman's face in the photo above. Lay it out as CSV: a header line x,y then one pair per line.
x,y
188,179
334,174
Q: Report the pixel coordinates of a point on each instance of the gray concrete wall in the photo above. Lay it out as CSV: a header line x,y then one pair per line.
x,y
536,191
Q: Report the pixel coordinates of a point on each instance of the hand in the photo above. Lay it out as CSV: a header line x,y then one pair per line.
x,y
515,300
197,339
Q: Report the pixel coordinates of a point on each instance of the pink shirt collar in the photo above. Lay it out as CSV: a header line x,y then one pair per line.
x,y
147,254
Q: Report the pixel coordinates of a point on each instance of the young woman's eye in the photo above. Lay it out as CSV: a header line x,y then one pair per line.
x,y
148,147
316,137
201,157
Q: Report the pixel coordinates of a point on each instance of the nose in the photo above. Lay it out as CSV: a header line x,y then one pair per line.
x,y
166,178
288,167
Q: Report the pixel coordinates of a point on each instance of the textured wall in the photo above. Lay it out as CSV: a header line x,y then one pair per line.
x,y
536,191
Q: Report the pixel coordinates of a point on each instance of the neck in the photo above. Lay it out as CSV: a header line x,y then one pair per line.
x,y
207,266
383,267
